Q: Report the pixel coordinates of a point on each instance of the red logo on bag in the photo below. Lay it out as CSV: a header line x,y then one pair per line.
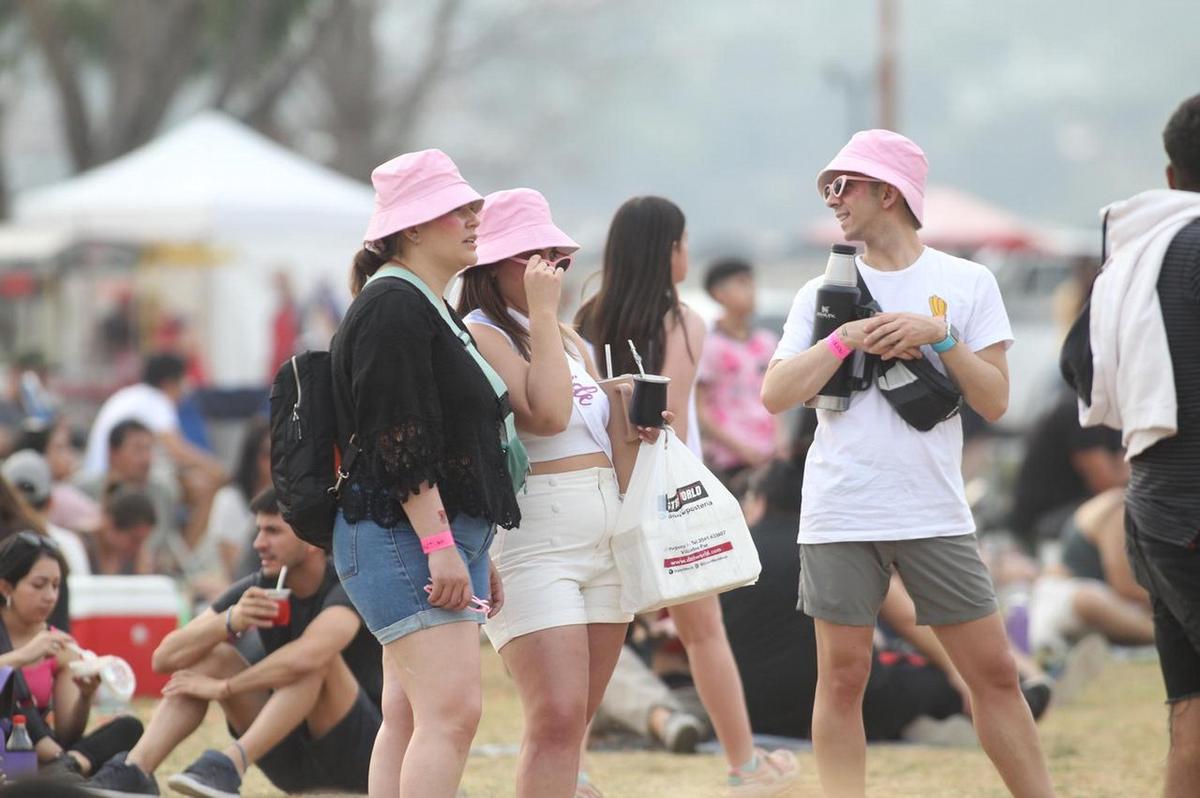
x,y
697,556
686,495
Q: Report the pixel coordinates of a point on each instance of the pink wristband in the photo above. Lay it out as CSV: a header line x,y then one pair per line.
x,y
837,346
442,540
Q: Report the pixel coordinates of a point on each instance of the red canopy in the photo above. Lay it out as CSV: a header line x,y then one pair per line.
x,y
955,220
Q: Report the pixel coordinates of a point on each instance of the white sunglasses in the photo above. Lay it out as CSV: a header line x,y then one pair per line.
x,y
838,185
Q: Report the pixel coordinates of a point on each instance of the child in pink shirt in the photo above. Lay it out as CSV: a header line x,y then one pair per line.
x,y
738,432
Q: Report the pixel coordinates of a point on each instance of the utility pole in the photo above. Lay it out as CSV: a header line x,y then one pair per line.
x,y
855,90
888,23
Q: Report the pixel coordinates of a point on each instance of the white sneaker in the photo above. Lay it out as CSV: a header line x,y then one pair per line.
x,y
955,731
776,771
1084,662
681,733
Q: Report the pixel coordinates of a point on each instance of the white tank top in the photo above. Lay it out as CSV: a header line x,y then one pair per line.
x,y
587,431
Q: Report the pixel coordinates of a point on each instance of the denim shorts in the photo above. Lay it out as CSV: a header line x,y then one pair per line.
x,y
384,572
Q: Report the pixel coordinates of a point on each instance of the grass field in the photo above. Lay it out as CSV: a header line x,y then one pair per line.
x,y
1111,741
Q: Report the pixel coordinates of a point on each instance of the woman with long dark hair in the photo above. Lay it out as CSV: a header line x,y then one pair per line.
x,y
645,257
230,522
419,423
56,702
562,626
16,515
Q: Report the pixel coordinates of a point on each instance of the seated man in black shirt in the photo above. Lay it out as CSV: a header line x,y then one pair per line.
x,y
307,713
1064,466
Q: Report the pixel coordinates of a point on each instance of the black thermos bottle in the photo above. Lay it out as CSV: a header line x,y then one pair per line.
x,y
837,303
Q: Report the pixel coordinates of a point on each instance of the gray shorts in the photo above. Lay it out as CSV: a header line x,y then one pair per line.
x,y
845,583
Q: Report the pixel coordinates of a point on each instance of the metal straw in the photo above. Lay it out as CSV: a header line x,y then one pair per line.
x,y
636,357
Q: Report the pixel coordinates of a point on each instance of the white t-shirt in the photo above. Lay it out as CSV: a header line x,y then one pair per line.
x,y
230,519
141,402
869,475
72,548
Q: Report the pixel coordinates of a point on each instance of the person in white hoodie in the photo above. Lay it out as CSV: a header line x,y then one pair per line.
x,y
1145,340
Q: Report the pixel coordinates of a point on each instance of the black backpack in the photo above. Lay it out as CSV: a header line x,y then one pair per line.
x,y
1075,360
304,454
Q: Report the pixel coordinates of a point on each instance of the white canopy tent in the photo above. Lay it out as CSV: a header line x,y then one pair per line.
x,y
255,208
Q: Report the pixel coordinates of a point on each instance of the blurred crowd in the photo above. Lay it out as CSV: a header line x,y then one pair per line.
x,y
134,493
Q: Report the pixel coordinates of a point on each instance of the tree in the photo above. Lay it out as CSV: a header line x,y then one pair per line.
x,y
10,53
363,74
147,54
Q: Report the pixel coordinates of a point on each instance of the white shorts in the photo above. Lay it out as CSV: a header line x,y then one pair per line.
x,y
557,567
1053,624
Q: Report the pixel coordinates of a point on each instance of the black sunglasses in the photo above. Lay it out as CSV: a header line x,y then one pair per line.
x,y
36,540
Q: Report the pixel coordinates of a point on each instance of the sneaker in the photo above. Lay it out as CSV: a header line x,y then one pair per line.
x,y
955,731
117,778
681,732
1038,694
1084,662
776,771
211,776
584,787
64,769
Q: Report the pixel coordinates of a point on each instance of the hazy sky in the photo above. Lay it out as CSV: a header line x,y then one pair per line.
x,y
1050,109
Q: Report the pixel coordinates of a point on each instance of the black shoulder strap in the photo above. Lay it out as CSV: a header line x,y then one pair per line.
x,y
22,695
864,293
1104,238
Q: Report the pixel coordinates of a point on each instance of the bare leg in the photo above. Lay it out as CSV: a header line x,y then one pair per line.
x,y
178,716
605,641
1121,621
980,651
438,670
560,686
391,743
1183,758
320,699
702,632
839,739
604,649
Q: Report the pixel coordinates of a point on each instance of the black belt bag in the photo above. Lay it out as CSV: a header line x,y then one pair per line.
x,y
923,396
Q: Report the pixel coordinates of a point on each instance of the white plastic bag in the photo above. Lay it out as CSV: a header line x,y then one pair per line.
x,y
680,534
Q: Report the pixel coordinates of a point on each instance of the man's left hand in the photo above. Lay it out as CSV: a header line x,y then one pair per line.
x,y
890,335
196,685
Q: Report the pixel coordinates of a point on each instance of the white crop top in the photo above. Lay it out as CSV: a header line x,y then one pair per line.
x,y
587,431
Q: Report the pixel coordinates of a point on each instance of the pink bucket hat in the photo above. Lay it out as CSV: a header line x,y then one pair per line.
x,y
415,188
885,156
516,221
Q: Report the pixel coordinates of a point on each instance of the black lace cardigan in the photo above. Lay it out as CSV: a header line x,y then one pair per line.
x,y
421,408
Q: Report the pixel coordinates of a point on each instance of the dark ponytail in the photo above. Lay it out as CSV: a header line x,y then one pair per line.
x,y
368,261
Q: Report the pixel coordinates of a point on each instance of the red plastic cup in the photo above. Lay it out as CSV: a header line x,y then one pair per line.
x,y
283,605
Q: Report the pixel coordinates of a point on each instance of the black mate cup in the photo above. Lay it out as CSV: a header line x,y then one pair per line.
x,y
649,400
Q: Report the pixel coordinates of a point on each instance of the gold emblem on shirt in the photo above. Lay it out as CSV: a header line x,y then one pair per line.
x,y
937,306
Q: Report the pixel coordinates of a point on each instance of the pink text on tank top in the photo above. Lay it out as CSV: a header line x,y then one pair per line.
x,y
583,393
